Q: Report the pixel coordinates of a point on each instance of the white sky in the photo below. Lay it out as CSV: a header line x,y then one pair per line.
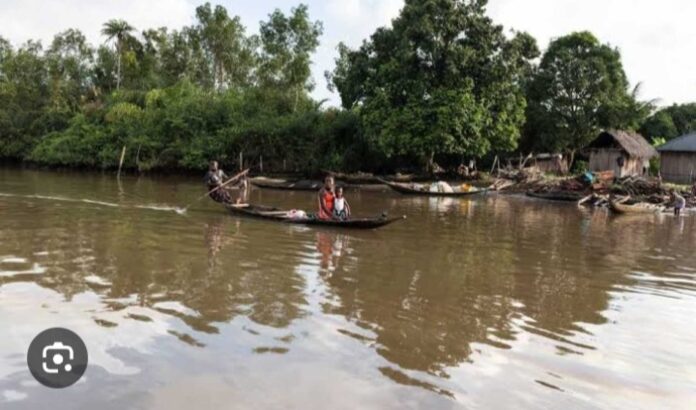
x,y
656,39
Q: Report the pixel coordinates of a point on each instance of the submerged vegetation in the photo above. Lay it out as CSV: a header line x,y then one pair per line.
x,y
443,84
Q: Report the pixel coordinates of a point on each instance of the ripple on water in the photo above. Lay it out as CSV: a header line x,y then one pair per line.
x,y
12,266
496,302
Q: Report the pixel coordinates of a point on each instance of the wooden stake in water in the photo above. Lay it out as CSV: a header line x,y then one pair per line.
x,y
494,162
120,163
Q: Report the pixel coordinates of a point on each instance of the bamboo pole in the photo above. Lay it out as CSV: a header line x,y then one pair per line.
x,y
120,163
234,178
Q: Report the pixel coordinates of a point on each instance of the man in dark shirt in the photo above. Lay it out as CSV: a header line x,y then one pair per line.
x,y
213,179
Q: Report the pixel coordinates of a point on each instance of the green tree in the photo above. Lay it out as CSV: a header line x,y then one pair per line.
x,y
176,98
287,44
70,60
671,122
579,88
229,51
443,80
24,96
120,32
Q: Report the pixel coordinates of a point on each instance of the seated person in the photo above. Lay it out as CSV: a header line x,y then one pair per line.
x,y
341,209
326,199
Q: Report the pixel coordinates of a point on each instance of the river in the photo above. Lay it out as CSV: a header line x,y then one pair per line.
x,y
490,302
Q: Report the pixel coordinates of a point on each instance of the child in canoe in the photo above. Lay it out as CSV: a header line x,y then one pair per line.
x,y
341,209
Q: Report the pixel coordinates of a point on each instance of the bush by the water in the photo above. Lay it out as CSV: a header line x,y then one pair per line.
x,y
414,95
184,126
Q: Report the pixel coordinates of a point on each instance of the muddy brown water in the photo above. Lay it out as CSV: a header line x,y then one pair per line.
x,y
487,302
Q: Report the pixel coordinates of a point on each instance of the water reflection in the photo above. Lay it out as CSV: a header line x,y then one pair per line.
x,y
418,303
333,248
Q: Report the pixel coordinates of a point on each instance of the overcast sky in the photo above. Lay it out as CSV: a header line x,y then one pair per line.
x,y
656,39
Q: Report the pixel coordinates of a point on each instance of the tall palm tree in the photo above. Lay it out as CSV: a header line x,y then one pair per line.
x,y
118,30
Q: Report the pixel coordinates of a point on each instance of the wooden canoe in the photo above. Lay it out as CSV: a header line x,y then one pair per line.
x,y
280,215
354,179
407,189
639,208
303,185
557,196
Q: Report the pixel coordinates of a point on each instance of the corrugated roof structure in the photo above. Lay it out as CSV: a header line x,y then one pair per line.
x,y
633,143
685,143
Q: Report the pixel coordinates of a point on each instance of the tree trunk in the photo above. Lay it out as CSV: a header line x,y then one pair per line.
x,y
572,160
219,76
430,166
118,64
137,157
297,97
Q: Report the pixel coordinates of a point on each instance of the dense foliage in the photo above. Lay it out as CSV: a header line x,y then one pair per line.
x,y
442,83
671,122
175,99
579,88
443,80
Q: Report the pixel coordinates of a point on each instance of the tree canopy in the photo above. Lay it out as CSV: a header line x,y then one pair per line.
x,y
442,83
579,88
174,98
671,122
444,79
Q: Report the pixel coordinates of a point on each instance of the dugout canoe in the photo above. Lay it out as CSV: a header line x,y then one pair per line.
x,y
280,215
638,208
422,190
303,185
557,196
311,186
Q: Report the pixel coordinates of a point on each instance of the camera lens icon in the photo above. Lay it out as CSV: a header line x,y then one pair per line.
x,y
57,357
57,352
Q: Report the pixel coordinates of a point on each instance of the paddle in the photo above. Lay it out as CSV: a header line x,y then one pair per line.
x,y
234,178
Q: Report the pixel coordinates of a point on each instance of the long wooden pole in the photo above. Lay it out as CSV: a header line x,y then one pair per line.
x,y
494,161
234,178
120,163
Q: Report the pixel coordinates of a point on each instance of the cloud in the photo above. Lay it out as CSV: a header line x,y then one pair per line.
x,y
354,20
350,22
654,39
36,19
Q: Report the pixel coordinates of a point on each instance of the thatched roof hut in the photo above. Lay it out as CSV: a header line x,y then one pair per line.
x,y
678,159
624,152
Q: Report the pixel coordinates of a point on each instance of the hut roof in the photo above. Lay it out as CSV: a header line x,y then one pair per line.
x,y
633,143
685,143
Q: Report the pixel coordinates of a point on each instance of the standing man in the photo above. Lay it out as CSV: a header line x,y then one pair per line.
x,y
326,199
